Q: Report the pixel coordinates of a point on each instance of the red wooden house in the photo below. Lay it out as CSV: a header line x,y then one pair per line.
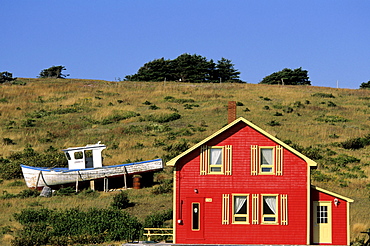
x,y
242,185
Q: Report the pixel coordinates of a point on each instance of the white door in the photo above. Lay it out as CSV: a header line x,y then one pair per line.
x,y
322,224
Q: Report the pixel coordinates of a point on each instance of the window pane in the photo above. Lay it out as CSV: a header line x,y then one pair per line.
x,y
215,169
269,205
195,212
240,205
322,214
266,156
215,156
79,155
266,169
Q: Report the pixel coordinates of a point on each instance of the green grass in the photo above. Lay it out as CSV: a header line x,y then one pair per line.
x,y
71,112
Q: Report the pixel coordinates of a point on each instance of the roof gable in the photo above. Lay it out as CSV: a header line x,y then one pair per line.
x,y
332,193
173,161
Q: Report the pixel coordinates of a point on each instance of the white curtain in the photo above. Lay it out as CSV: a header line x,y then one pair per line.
x,y
271,202
216,156
238,203
266,156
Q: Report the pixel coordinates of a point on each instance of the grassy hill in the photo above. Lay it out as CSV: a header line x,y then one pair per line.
x,y
143,120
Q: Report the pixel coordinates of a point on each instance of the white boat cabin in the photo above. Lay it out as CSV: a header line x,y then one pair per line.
x,y
89,156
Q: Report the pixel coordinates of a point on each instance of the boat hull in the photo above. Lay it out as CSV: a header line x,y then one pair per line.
x,y
38,177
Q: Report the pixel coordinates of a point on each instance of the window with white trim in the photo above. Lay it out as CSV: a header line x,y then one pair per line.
x,y
269,209
240,209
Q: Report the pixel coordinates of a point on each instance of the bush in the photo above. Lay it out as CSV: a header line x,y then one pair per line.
x,y
28,193
319,176
121,201
273,123
118,116
353,143
8,141
157,220
331,119
72,226
166,186
68,191
162,118
356,143
10,167
323,95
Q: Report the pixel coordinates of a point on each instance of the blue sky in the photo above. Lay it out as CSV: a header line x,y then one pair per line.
x,y
114,38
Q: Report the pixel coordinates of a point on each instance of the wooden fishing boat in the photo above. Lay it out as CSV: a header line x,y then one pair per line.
x,y
84,164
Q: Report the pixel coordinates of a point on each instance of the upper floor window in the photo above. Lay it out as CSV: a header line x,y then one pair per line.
x,y
266,160
216,160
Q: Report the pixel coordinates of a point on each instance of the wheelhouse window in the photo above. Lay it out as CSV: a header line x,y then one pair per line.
x,y
79,155
240,209
269,209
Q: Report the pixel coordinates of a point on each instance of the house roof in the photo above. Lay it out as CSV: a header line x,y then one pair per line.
x,y
332,193
173,161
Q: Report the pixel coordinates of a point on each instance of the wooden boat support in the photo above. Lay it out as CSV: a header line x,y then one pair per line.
x,y
85,165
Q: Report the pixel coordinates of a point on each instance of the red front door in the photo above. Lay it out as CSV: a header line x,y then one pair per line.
x,y
195,227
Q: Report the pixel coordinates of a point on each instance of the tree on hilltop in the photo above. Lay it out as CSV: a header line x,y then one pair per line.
x,y
53,72
365,85
187,68
6,77
288,77
226,71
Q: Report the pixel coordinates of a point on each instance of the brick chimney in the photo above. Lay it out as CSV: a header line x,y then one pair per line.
x,y
231,110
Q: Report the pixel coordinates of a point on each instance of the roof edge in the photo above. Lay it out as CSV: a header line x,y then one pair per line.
x,y
332,193
310,162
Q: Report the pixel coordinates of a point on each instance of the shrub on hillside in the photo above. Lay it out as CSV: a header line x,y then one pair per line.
x,y
161,118
73,226
356,143
157,220
121,201
118,116
10,166
323,95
